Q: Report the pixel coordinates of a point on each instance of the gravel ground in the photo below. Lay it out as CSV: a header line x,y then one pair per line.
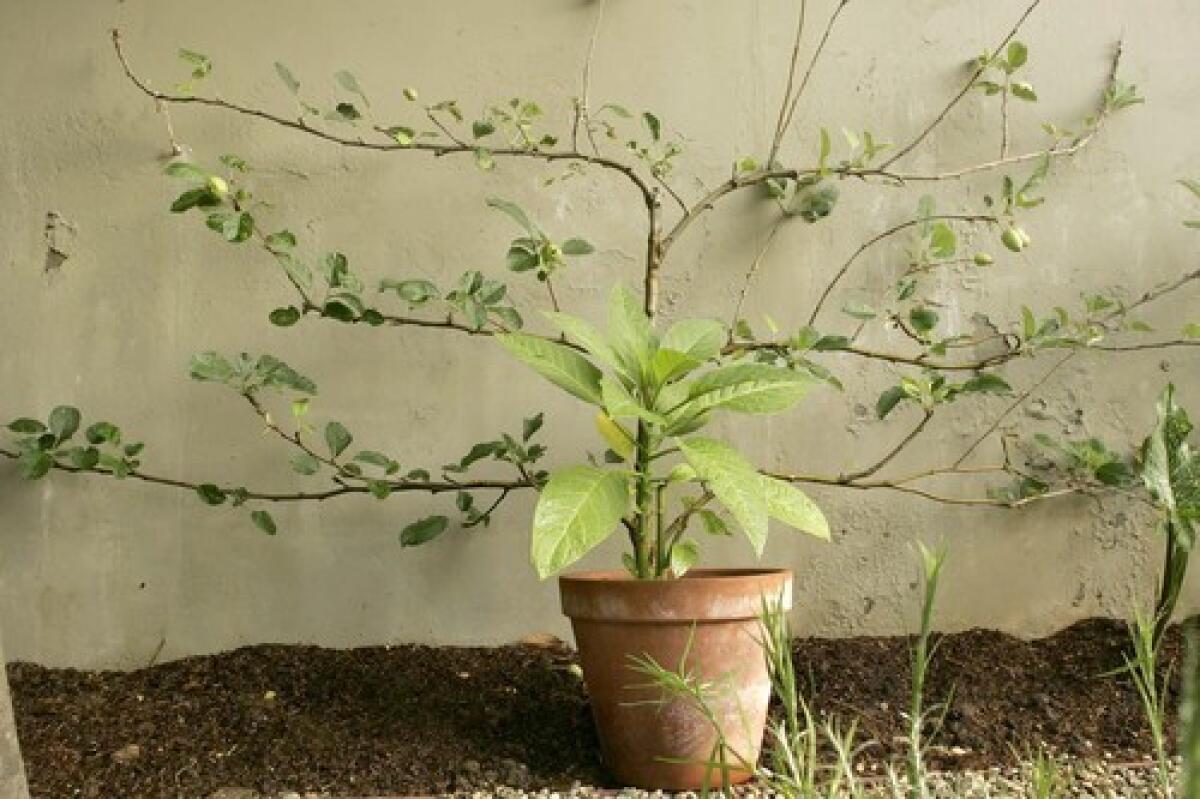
x,y
1099,779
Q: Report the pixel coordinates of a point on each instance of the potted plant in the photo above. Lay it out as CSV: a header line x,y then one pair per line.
x,y
655,386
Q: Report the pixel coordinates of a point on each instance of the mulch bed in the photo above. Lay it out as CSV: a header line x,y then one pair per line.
x,y
422,720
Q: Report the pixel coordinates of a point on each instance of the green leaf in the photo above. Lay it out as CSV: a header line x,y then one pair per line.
x,y
34,464
943,241
26,425
713,523
748,388
186,171
515,213
345,112
585,334
577,247
402,135
1023,90
295,269
84,457
668,365
923,320
337,437
653,125
193,198
860,311
484,159
264,521
350,84
530,426
211,366
1191,185
280,240
1018,54
210,494
482,127
423,531
285,317
304,463
287,77
202,64
561,365
524,255
700,339
1191,330
814,203
987,383
792,506
684,555
414,292
734,482
380,489
378,459
888,400
578,508
64,421
629,331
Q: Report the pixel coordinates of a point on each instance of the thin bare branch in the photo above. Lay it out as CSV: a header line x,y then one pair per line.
x,y
780,124
754,267
954,101
892,453
787,123
876,239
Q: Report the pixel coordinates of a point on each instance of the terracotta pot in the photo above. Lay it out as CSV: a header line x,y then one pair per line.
x,y
711,615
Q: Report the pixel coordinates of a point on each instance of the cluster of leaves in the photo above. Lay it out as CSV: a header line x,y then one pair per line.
x,y
1101,316
44,445
1001,71
634,377
480,301
535,251
931,388
1013,199
522,454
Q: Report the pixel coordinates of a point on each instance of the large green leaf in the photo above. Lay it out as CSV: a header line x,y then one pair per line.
x,y
701,339
734,482
1170,470
630,331
585,334
793,507
748,388
579,507
668,365
562,366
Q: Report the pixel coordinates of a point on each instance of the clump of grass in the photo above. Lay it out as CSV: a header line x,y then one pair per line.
x,y
1142,667
1048,775
919,717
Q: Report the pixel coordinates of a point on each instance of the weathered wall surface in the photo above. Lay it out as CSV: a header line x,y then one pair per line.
x,y
103,573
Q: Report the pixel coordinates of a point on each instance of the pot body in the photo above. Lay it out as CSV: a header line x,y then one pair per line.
x,y
708,622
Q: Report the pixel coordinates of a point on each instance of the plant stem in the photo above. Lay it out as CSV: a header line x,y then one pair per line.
x,y
644,498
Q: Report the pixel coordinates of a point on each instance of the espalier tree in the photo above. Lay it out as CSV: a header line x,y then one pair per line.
x,y
654,388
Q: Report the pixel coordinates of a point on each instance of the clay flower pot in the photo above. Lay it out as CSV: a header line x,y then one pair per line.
x,y
712,615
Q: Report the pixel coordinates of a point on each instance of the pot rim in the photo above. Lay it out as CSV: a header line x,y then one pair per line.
x,y
701,575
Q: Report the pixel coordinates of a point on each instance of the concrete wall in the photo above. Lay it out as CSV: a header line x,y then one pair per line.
x,y
103,573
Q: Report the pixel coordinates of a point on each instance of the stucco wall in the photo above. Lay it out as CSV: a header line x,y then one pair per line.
x,y
103,573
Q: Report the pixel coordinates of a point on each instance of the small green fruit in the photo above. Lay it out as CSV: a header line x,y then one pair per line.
x,y
1012,239
982,259
217,186
411,94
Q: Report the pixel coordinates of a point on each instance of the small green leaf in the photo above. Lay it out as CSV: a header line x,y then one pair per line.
x,y
210,494
943,242
34,464
304,463
26,425
987,383
337,437
350,84
888,401
287,77
484,159
423,531
684,555
1023,90
515,213
264,521
1018,55
653,125
64,421
285,317
577,247
923,320
482,127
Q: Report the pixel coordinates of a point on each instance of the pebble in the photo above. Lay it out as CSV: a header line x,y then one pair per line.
x,y
1095,779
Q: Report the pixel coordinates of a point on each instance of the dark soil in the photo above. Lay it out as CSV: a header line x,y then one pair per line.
x,y
420,720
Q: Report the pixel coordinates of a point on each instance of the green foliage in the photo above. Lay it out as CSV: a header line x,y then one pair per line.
x,y
668,386
248,375
1152,688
